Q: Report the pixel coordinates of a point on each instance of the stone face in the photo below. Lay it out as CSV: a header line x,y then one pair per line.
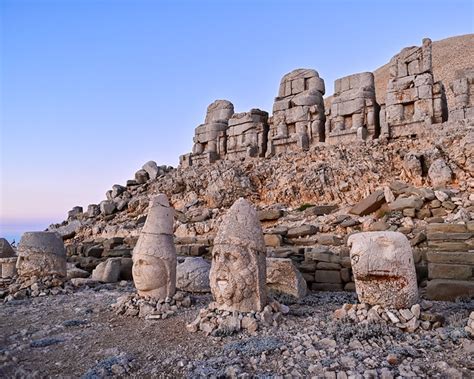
x,y
193,275
154,255
370,204
383,268
41,254
238,269
6,251
353,113
412,99
298,112
284,278
440,173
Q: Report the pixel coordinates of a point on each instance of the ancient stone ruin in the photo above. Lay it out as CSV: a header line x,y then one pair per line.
x,y
354,112
154,256
383,268
463,89
41,254
238,268
413,99
298,112
8,260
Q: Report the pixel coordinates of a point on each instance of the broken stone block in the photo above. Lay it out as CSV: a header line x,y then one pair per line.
x,y
193,275
284,278
370,204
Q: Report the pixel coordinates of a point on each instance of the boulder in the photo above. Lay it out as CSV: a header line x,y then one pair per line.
x,y
383,269
141,176
107,207
6,251
303,230
284,278
406,202
152,169
93,210
193,275
117,190
440,173
270,214
108,271
370,204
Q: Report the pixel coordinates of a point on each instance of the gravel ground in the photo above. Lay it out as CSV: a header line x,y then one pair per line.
x,y
79,335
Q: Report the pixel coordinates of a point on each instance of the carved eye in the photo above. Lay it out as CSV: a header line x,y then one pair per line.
x,y
355,258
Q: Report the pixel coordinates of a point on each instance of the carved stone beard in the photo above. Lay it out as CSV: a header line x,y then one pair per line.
x,y
233,276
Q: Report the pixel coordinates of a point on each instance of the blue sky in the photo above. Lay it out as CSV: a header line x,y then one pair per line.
x,y
90,90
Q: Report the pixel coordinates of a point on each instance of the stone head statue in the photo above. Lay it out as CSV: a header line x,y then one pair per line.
x,y
154,256
41,254
384,269
238,268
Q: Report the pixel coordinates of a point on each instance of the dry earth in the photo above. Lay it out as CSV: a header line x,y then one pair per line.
x,y
79,335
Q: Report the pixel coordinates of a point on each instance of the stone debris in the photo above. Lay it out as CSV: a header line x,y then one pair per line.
x,y
218,322
408,320
284,278
149,308
383,268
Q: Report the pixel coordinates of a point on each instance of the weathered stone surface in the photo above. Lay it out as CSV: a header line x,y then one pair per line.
x,y
383,268
303,230
270,214
107,207
440,173
154,255
93,210
107,271
450,257
141,176
284,278
406,202
449,290
193,275
152,169
238,269
273,240
8,267
370,204
449,271
6,251
41,254
446,228
327,276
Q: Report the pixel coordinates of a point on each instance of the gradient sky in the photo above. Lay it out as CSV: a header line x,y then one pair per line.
x,y
90,90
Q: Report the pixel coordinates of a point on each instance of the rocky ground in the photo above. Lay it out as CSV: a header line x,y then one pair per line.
x,y
80,335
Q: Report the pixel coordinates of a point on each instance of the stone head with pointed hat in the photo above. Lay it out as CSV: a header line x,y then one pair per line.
x,y
154,256
238,269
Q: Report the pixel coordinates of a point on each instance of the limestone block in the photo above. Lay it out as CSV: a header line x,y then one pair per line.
x,y
108,271
154,255
193,275
449,271
284,278
8,267
107,207
41,254
151,168
93,210
295,114
449,290
369,204
238,268
327,276
383,268
219,110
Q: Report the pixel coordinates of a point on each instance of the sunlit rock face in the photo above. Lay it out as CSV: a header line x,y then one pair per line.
x,y
384,269
238,269
154,256
41,254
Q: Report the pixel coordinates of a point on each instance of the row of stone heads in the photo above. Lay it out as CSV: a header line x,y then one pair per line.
x,y
300,117
238,269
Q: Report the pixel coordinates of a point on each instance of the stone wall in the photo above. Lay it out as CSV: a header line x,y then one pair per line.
x,y
463,89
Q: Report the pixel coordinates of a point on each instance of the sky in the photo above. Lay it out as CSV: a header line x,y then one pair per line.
x,y
90,90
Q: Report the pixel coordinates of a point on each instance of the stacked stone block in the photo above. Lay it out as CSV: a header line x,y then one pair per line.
x,y
353,114
298,112
210,139
450,259
463,89
247,135
413,99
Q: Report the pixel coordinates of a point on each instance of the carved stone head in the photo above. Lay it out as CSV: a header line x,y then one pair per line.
x,y
154,256
238,269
